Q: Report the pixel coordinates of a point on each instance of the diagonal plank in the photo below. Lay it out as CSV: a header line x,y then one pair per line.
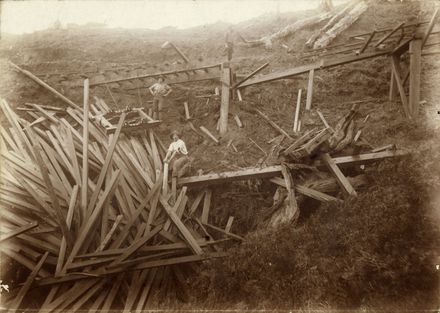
x,y
343,182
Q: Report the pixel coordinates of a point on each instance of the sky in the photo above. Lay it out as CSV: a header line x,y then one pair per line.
x,y
18,17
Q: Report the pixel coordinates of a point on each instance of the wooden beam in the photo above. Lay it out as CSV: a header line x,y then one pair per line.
x,y
209,134
395,66
237,120
395,29
430,27
206,206
46,86
105,168
318,65
225,97
187,116
209,67
61,219
222,231
367,42
279,129
297,110
181,227
262,67
179,52
343,182
252,173
85,151
18,231
415,50
27,285
306,191
310,90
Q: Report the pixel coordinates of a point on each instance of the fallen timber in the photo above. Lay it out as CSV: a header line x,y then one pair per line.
x,y
173,77
323,64
274,171
69,189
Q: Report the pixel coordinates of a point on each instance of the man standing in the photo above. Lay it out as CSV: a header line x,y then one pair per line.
x,y
177,149
159,90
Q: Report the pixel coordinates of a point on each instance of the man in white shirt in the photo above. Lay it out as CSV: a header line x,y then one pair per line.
x,y
159,90
177,150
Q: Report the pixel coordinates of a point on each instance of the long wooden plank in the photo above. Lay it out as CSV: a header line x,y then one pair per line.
x,y
343,182
181,227
46,86
18,231
252,173
106,166
206,206
262,67
306,191
395,66
297,109
141,266
21,138
316,66
85,229
54,199
364,158
415,53
136,245
310,90
430,27
273,124
27,285
85,150
209,67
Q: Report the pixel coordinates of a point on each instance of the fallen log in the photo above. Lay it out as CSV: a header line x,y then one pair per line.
x,y
344,23
268,40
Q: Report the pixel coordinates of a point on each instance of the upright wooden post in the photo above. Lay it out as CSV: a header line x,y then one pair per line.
x,y
224,108
415,52
393,87
310,90
298,104
85,158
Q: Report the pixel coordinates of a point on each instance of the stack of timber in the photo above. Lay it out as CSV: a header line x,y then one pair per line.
x,y
86,212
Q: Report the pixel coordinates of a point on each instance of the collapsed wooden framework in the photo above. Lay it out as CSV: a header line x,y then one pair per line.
x,y
390,44
86,199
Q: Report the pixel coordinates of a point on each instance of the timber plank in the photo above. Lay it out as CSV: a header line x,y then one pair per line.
x,y
343,182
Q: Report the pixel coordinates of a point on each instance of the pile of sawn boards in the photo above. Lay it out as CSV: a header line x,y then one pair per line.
x,y
86,213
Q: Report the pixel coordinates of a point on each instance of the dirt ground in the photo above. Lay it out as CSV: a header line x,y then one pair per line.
x,y
63,58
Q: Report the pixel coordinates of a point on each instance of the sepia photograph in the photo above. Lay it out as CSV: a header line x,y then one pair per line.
x,y
220,156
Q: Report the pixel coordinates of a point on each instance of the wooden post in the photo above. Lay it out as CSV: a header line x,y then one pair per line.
x,y
393,87
240,98
165,179
298,104
343,182
187,116
237,120
85,157
395,65
208,133
415,51
310,90
224,108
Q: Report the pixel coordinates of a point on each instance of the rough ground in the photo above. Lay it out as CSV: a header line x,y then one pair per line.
x,y
62,56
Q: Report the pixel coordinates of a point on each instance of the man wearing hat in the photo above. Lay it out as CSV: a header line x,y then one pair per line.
x,y
159,90
177,149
